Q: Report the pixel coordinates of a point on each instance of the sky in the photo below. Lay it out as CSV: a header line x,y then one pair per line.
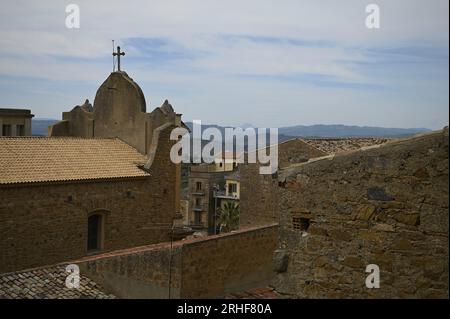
x,y
268,63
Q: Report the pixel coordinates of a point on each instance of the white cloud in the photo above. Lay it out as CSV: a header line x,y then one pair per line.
x,y
35,43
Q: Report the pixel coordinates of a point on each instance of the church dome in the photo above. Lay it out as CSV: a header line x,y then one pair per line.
x,y
119,94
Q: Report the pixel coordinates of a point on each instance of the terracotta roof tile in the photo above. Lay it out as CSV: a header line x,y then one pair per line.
x,y
48,283
47,159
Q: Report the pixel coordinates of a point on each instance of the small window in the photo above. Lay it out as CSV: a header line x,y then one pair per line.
x,y
300,223
94,232
198,218
198,202
198,186
220,164
20,130
6,130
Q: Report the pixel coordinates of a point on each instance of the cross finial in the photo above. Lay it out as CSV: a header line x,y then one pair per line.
x,y
118,54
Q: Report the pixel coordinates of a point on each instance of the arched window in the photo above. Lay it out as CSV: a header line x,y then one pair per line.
x,y
95,232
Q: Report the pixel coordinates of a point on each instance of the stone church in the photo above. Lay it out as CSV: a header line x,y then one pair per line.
x,y
102,180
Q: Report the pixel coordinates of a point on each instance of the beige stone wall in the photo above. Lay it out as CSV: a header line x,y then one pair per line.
x,y
47,223
228,263
385,205
199,268
296,151
144,273
258,197
14,121
259,193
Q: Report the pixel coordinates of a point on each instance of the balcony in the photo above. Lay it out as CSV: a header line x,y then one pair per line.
x,y
224,195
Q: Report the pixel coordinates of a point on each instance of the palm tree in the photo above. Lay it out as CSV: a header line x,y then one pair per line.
x,y
228,216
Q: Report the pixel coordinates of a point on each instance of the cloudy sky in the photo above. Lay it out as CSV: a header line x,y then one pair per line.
x,y
269,63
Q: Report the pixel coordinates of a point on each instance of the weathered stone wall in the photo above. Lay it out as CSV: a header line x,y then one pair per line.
x,y
228,263
296,151
259,197
199,268
385,205
259,193
138,273
47,223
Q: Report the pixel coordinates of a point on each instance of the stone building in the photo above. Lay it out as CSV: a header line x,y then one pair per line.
x,y
385,205
102,181
259,193
203,181
15,122
210,186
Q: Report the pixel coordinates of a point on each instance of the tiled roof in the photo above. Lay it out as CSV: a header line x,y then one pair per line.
x,y
48,283
44,159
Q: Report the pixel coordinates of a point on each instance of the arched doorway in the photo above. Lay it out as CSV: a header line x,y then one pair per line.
x,y
95,232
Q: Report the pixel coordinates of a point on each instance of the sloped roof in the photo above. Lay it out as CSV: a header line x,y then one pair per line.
x,y
51,159
48,283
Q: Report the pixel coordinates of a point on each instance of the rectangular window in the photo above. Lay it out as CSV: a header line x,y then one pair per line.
x,y
232,188
20,130
198,218
198,202
198,186
6,130
300,223
94,232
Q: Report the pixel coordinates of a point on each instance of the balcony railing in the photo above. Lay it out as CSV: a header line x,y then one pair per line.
x,y
223,194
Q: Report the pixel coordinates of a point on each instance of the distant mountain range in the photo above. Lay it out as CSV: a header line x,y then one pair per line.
x,y
321,130
331,131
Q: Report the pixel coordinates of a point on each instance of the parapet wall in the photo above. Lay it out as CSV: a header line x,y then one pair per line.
x,y
385,205
198,268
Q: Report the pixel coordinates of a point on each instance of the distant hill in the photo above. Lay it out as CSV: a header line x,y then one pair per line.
x,y
333,131
39,126
348,131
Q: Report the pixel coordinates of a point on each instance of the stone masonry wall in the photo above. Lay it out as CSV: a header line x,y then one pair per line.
x,y
199,268
138,273
228,263
259,193
385,205
258,197
47,223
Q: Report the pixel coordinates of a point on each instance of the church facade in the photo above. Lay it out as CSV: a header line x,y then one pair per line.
x,y
101,181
